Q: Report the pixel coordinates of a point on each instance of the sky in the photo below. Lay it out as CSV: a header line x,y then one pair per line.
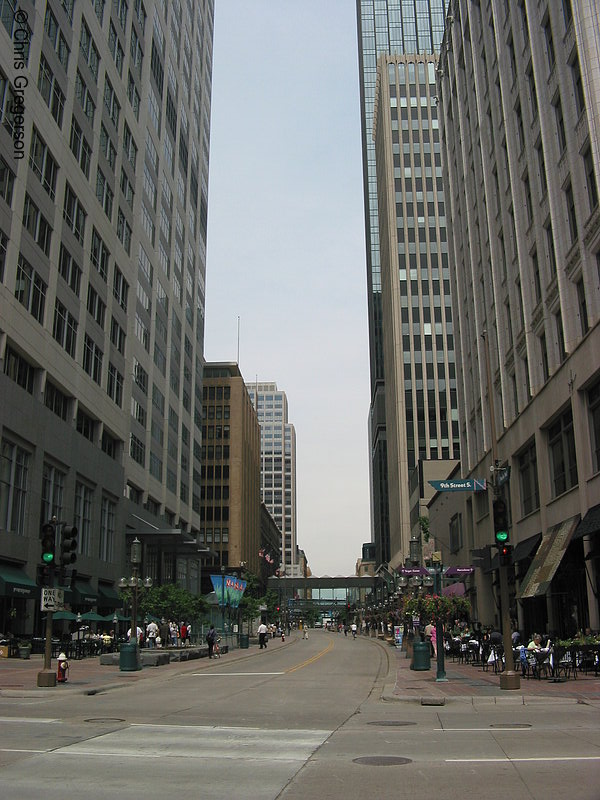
x,y
286,250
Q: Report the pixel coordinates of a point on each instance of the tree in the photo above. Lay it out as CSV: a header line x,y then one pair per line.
x,y
169,601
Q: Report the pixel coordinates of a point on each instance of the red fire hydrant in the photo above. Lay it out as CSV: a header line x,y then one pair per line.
x,y
62,668
282,636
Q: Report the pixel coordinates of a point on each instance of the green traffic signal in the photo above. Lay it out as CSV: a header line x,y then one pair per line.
x,y
48,537
501,537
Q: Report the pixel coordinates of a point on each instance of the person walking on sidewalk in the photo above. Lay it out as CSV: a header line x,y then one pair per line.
x,y
211,638
262,635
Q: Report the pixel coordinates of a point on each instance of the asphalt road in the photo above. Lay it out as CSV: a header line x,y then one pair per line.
x,y
305,720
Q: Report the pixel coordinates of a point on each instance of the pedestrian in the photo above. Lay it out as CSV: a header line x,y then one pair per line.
x,y
165,633
189,634
211,638
353,629
183,633
152,633
305,633
173,633
140,634
262,635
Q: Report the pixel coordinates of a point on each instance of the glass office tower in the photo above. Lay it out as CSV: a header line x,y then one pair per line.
x,y
384,27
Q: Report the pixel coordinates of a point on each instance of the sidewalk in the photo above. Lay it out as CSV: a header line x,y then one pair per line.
x,y
18,677
471,682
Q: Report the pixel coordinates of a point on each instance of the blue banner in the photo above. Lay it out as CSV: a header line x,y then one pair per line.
x,y
460,485
228,589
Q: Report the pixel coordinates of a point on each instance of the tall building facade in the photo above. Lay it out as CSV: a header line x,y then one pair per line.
x,y
384,27
519,101
278,464
230,505
105,111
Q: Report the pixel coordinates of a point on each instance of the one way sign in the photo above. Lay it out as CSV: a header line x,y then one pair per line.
x,y
52,600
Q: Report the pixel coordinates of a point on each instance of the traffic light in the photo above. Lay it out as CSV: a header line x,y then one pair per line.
x,y
68,545
505,554
43,576
48,537
500,521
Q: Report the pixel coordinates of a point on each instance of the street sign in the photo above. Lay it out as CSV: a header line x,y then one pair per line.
x,y
52,600
461,485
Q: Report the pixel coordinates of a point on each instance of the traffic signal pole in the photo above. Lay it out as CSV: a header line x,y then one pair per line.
x,y
509,679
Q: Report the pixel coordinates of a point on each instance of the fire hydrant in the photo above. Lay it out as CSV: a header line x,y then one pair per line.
x,y
282,636
62,668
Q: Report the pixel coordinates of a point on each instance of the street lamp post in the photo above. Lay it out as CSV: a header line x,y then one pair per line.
x,y
135,583
439,630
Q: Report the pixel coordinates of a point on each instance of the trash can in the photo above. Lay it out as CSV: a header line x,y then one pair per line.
x,y
421,656
129,657
244,641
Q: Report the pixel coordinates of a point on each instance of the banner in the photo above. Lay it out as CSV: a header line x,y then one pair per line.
x,y
228,589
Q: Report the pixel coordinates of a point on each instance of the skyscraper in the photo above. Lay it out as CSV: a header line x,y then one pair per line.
x,y
103,209
521,142
384,27
278,464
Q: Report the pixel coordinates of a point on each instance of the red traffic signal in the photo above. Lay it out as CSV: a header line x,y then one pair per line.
x,y
505,554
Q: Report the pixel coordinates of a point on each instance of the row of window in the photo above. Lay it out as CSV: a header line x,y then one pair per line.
x,y
17,495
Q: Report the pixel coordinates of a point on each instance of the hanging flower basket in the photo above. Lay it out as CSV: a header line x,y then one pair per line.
x,y
437,607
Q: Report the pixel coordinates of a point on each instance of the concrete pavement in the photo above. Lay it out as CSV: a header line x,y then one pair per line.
x,y
469,681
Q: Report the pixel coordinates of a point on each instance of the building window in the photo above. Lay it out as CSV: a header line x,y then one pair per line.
x,y
114,385
120,288
53,488
528,480
74,214
590,177
83,517
107,530
85,425
51,91
117,336
96,306
577,87
111,103
104,193
140,376
582,304
560,337
57,40
69,270
19,370
563,462
560,125
99,255
82,93
124,232
92,359
56,401
594,410
107,148
129,146
37,225
89,51
14,471
64,329
549,44
42,163
30,290
7,182
455,532
133,96
137,450
571,213
116,51
80,147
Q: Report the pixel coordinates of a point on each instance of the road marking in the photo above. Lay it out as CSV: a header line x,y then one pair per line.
x,y
535,758
489,730
237,674
36,721
311,660
18,750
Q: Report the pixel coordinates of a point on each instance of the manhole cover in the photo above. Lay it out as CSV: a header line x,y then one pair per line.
x,y
510,725
103,720
382,761
391,723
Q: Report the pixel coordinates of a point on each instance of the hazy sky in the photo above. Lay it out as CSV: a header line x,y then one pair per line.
x,y
286,249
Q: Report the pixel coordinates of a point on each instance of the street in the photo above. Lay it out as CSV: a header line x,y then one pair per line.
x,y
303,719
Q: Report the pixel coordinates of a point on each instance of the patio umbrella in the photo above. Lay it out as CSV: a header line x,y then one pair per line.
x,y
91,616
64,615
120,618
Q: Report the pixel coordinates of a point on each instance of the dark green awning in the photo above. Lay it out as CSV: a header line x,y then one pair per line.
x,y
84,593
14,582
108,597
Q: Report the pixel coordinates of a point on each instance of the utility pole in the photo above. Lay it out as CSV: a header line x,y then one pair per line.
x,y
509,679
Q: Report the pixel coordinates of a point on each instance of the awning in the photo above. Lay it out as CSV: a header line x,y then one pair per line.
x,y
14,582
547,559
108,597
455,589
525,548
84,594
589,525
